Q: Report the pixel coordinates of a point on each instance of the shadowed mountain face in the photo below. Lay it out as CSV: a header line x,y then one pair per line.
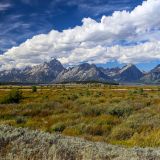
x,y
153,76
83,72
54,72
129,73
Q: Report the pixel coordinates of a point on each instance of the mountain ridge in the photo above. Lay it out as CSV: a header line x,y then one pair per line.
x,y
128,73
54,72
83,72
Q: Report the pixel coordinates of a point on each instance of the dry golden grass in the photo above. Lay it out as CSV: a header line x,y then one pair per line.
x,y
126,115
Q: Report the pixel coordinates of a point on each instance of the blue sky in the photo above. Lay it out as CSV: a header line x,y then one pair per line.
x,y
20,20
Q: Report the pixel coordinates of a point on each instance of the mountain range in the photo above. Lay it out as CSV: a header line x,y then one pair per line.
x,y
54,72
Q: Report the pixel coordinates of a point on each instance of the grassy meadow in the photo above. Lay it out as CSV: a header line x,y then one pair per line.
x,y
125,115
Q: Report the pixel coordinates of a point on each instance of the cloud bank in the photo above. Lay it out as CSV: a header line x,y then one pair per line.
x,y
128,37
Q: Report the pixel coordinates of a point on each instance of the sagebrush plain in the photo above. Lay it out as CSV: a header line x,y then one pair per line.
x,y
123,115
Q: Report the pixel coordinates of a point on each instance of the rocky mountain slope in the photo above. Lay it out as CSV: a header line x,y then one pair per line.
x,y
13,75
83,72
54,72
153,76
44,73
18,144
128,73
110,71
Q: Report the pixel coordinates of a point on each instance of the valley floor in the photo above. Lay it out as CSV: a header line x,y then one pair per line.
x,y
121,115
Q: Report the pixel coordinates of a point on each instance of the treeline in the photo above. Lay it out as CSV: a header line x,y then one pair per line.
x,y
70,82
89,82
17,83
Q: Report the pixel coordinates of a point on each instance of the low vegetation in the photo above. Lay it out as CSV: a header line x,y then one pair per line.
x,y
34,89
26,144
14,96
114,114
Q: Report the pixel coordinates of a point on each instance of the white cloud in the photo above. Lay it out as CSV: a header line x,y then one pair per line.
x,y
4,6
124,54
97,42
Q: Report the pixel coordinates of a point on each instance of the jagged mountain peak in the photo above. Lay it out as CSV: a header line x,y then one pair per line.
x,y
42,73
53,62
83,72
53,71
127,67
128,73
86,66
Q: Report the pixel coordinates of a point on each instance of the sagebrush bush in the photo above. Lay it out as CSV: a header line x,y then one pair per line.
x,y
120,110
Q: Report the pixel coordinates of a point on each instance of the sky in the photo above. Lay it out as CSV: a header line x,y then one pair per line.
x,y
108,33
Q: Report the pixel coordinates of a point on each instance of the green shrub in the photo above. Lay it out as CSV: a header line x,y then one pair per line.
x,y
14,96
34,88
136,91
59,127
140,91
20,120
131,92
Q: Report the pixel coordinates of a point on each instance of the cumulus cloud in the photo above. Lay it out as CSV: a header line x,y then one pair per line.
x,y
97,42
124,54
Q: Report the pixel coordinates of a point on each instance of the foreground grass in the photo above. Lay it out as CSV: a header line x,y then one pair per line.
x,y
114,114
